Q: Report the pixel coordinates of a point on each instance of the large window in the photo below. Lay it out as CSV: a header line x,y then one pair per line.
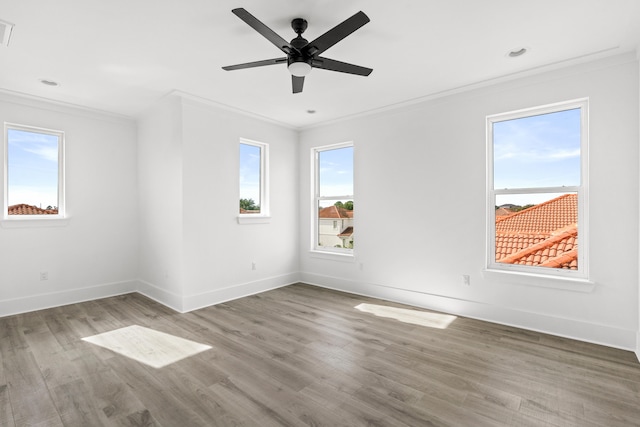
x,y
333,201
33,172
253,178
537,178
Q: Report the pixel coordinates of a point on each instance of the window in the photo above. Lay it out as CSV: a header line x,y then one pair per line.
x,y
333,200
253,178
537,181
34,172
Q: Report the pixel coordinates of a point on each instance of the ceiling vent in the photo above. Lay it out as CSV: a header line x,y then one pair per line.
x,y
5,32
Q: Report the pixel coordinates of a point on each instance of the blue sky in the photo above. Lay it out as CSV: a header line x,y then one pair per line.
x,y
250,172
32,168
537,151
336,172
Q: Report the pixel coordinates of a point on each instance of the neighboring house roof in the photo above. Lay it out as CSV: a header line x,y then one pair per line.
x,y
23,209
334,212
347,232
503,211
508,206
545,235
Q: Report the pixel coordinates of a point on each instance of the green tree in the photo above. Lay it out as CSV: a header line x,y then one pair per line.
x,y
249,205
346,205
521,208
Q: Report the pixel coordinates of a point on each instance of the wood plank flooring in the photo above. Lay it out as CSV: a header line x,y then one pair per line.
x,y
302,355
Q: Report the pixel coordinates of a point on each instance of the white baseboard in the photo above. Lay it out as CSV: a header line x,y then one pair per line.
x,y
71,296
217,296
172,300
568,328
164,297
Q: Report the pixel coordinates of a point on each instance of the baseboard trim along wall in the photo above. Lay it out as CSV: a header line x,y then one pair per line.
x,y
162,296
70,296
193,302
170,299
568,328
217,296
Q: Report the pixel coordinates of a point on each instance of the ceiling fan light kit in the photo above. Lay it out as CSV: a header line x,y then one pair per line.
x,y
299,69
302,55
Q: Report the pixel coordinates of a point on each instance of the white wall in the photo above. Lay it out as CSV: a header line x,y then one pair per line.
x,y
95,254
430,159
195,175
638,331
160,202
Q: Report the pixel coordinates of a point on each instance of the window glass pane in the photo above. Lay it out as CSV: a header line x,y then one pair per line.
x,y
336,172
335,224
250,174
537,151
539,230
32,172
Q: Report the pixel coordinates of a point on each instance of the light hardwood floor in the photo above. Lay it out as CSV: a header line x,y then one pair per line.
x,y
302,355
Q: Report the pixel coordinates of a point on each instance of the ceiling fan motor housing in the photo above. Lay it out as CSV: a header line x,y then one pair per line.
x,y
299,25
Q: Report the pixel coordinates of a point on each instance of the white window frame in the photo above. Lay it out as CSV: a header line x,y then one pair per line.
x,y
315,159
34,219
264,215
582,273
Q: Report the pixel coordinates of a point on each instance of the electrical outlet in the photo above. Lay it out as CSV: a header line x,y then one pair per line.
x,y
466,279
44,275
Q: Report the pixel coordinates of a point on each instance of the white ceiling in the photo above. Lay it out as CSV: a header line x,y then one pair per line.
x,y
121,56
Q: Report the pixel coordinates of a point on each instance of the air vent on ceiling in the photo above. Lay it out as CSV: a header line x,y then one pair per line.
x,y
5,32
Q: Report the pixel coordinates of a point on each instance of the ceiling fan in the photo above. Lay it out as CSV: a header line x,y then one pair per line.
x,y
303,55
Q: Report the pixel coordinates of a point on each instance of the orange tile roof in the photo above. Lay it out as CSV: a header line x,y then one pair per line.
x,y
23,209
334,212
347,232
543,218
503,211
545,235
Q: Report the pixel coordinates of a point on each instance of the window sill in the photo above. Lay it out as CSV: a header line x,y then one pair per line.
x,y
540,280
34,222
332,256
261,219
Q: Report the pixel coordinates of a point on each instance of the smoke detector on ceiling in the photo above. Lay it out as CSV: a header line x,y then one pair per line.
x,y
5,32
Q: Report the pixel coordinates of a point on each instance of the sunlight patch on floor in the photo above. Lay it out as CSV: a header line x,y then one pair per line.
x,y
415,317
153,348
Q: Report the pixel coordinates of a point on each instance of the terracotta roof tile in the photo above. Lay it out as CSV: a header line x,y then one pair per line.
x,y
557,251
347,232
543,218
503,211
334,212
545,235
23,209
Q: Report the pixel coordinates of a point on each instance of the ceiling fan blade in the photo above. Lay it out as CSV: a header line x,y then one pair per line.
x,y
337,33
297,83
342,67
265,31
255,64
